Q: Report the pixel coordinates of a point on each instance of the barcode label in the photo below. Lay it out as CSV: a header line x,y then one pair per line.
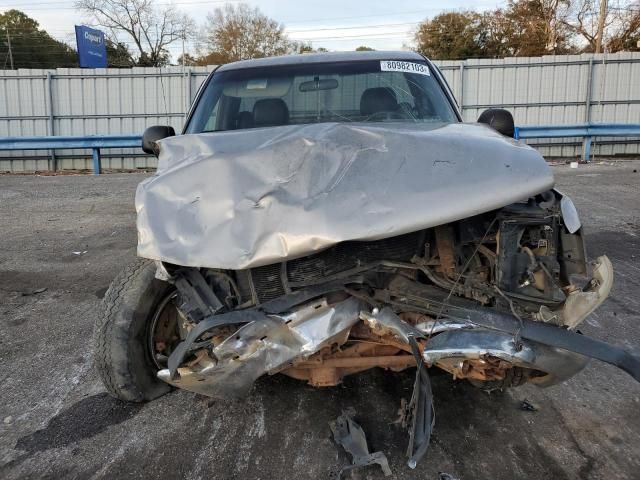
x,y
407,67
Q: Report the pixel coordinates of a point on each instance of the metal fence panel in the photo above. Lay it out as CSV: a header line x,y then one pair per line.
x,y
555,90
550,90
72,101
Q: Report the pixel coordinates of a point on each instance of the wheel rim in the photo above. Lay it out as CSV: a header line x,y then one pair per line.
x,y
164,330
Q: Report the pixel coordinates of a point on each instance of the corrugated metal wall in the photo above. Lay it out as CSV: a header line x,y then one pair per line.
x,y
554,90
91,102
549,90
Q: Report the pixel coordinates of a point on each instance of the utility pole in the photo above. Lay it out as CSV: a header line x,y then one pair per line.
x,y
183,60
9,45
601,19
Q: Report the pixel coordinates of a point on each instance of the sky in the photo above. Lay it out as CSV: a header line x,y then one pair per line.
x,y
332,24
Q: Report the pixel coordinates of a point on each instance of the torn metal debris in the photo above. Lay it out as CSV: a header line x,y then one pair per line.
x,y
266,346
446,476
349,434
421,410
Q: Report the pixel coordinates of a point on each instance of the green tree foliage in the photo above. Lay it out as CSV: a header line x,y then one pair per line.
x,y
529,28
118,55
523,28
189,60
31,46
451,36
307,47
537,27
363,48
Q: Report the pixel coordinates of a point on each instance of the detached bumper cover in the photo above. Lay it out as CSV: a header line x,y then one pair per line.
x,y
270,343
264,346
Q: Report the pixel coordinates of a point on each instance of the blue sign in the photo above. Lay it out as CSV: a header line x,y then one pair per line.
x,y
92,50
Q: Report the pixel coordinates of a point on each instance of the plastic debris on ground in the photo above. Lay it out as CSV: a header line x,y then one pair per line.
x,y
349,434
527,406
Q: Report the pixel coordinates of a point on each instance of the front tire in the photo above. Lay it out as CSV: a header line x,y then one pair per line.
x,y
122,331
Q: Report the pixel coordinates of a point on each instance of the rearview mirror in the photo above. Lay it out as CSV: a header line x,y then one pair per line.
x,y
499,119
152,134
315,85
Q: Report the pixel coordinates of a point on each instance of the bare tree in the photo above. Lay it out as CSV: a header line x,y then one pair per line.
x,y
554,13
625,30
584,21
240,32
150,28
614,24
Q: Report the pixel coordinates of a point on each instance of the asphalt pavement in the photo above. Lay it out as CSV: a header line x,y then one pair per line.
x,y
62,240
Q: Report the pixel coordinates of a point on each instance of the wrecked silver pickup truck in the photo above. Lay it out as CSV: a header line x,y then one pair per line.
x,y
322,215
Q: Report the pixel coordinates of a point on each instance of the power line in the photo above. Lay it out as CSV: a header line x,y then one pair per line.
x,y
70,38
47,54
297,32
415,12
353,27
372,36
60,6
310,30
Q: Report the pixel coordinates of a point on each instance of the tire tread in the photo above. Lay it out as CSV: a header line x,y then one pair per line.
x,y
118,382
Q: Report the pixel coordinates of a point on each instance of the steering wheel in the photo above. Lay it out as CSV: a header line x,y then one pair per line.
x,y
386,115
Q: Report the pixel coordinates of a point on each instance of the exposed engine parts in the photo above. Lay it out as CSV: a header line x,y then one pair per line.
x,y
494,299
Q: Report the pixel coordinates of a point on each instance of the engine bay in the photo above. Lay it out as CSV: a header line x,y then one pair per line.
x,y
521,256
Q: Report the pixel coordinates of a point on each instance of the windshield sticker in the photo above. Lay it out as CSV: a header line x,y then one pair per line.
x,y
407,67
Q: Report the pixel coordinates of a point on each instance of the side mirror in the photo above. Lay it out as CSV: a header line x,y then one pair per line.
x,y
152,134
499,119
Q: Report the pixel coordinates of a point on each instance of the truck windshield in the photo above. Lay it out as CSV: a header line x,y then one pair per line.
x,y
363,91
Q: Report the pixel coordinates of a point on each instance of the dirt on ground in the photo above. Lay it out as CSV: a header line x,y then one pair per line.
x,y
62,240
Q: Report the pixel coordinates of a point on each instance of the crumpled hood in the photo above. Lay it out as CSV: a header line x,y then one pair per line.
x,y
246,198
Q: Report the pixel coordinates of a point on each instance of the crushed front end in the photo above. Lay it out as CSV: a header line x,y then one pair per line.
x,y
494,299
320,251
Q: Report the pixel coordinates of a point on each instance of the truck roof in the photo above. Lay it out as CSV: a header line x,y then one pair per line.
x,y
326,57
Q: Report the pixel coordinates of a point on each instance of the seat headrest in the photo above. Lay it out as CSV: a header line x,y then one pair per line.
x,y
378,99
270,112
244,120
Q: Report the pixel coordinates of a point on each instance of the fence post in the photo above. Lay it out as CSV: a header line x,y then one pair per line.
x,y
586,142
186,110
586,149
50,127
587,102
460,102
97,166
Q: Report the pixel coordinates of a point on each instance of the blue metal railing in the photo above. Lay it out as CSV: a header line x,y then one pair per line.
x,y
586,131
98,142
93,142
